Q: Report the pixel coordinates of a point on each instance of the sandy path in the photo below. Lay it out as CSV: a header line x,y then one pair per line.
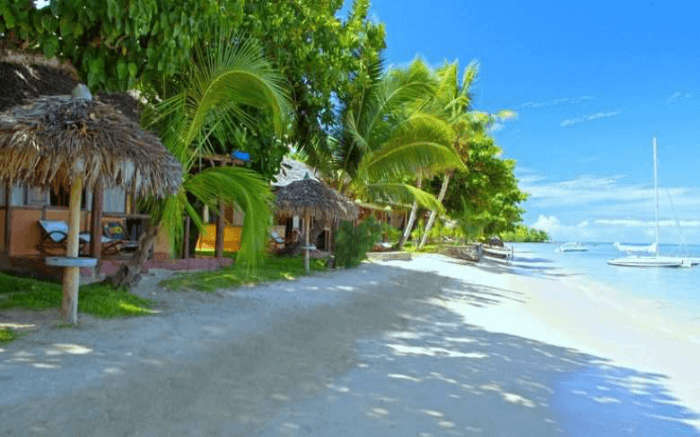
x,y
387,349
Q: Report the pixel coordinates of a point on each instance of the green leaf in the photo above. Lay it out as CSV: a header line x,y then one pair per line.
x,y
49,46
66,26
122,70
9,18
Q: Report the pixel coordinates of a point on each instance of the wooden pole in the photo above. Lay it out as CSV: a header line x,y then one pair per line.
x,y
8,216
220,226
71,275
186,248
96,225
307,220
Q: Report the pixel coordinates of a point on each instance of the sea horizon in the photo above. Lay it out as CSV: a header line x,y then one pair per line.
x,y
675,288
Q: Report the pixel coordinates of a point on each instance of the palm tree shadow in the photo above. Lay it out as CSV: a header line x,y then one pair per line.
x,y
431,372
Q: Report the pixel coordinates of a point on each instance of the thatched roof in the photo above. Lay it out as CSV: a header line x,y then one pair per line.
x,y
292,170
25,77
56,138
309,196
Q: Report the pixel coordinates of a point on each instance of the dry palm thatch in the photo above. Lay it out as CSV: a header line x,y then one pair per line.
x,y
309,196
53,140
25,77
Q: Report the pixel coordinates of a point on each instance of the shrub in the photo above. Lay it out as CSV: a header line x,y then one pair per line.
x,y
353,242
391,233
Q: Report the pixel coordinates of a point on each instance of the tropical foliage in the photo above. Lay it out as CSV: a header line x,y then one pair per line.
x,y
525,234
227,81
452,102
353,242
384,140
276,77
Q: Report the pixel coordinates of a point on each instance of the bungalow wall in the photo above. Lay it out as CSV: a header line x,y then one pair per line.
x,y
29,205
233,216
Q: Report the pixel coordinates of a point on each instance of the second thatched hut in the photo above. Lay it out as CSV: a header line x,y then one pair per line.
x,y
309,198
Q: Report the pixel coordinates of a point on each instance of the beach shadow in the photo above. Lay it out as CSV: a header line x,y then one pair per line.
x,y
438,375
389,357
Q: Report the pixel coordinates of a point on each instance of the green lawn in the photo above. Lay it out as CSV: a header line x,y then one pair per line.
x,y
428,248
98,299
274,268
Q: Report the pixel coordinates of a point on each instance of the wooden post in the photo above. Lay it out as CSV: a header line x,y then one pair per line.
x,y
186,248
71,275
220,226
307,230
96,225
8,216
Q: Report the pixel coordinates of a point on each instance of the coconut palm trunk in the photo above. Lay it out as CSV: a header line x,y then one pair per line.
x,y
129,273
411,219
433,214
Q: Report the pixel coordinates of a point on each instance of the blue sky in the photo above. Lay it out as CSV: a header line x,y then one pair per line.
x,y
592,82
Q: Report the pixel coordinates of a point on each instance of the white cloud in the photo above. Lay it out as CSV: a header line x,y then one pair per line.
x,y
556,102
590,117
633,223
605,208
559,231
495,127
678,95
607,196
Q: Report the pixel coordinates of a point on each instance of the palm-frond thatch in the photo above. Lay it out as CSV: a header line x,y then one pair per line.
x,y
309,196
54,139
25,77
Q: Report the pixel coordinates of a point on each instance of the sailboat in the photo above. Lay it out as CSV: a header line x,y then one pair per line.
x,y
655,260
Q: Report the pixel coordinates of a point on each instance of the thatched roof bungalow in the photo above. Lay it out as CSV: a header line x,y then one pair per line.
x,y
39,188
313,200
75,142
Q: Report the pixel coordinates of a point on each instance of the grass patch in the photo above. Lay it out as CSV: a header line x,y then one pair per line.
x,y
7,335
274,268
97,299
211,253
428,248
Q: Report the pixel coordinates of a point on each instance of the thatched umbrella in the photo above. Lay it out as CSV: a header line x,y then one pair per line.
x,y
76,142
310,198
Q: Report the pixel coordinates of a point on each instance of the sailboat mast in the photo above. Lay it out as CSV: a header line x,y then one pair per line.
x,y
656,194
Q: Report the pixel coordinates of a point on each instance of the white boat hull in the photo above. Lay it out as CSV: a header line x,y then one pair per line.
x,y
650,261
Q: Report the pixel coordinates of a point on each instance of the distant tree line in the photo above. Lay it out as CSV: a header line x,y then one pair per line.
x,y
525,234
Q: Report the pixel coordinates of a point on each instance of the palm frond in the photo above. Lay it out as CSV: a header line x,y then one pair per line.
x,y
246,189
402,194
422,142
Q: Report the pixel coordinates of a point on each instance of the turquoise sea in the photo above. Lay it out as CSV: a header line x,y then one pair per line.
x,y
676,288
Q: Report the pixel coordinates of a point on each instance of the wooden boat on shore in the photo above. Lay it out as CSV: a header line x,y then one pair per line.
x,y
471,252
500,252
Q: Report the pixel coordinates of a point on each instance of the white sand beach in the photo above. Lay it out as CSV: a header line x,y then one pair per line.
x,y
429,347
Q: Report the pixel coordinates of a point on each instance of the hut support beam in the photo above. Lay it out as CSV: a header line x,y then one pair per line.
x,y
71,275
8,216
96,225
307,231
186,242
220,226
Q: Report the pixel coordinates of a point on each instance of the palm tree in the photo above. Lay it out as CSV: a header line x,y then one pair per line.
x,y
228,85
384,139
452,103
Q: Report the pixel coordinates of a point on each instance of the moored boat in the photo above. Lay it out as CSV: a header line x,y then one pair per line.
x,y
572,247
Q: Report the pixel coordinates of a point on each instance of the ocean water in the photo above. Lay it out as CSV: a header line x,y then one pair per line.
x,y
678,288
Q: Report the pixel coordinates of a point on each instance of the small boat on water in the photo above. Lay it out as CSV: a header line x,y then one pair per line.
x,y
651,261
654,260
572,247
